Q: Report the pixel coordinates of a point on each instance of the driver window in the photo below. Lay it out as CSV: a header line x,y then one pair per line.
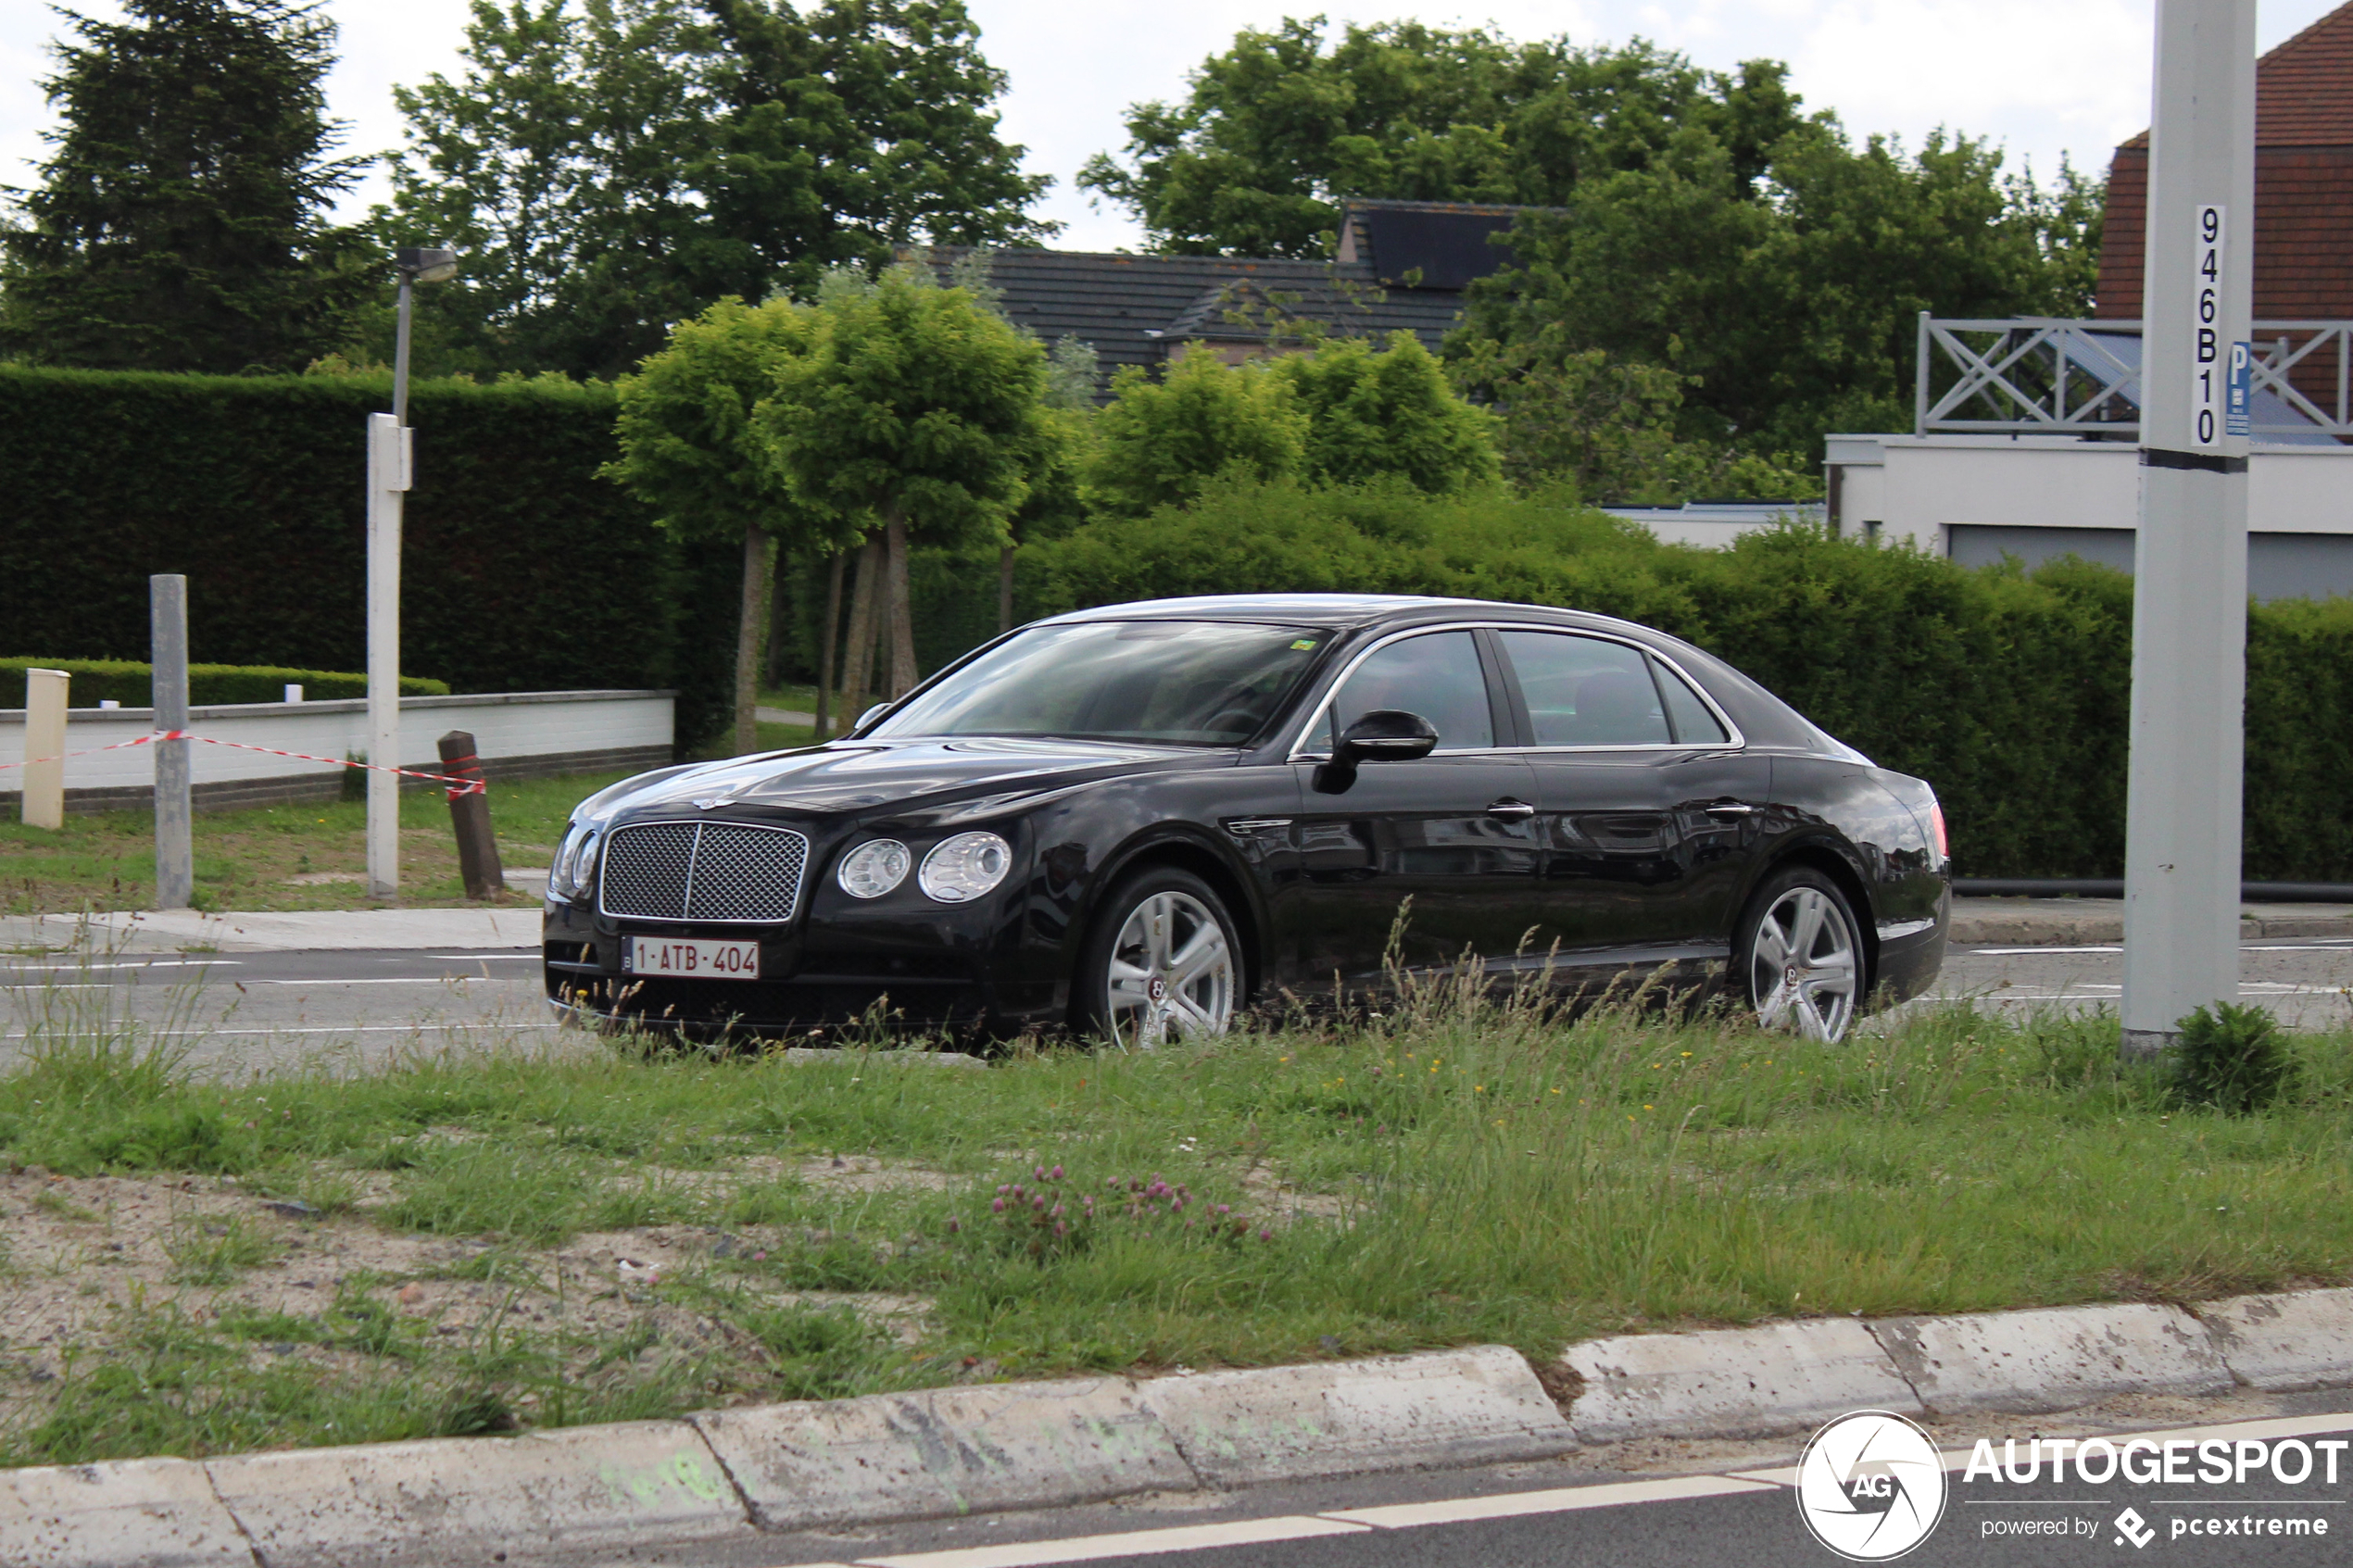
x,y
1436,675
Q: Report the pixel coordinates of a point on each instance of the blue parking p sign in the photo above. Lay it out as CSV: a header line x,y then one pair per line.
x,y
2238,394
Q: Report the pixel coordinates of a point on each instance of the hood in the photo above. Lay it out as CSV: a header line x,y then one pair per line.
x,y
850,777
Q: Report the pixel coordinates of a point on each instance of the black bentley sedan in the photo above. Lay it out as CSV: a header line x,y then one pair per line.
x,y
1133,822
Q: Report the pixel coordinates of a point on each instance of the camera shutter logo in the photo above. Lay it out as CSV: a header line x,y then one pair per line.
x,y
1871,1486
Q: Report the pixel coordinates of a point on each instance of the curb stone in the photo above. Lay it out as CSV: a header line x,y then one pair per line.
x,y
571,1490
1438,1411
129,1513
944,1451
725,1476
2278,1343
2053,1359
1733,1383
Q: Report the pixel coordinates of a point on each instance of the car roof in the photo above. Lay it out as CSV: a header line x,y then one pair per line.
x,y
1337,610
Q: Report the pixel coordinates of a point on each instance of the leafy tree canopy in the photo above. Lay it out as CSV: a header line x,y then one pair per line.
x,y
1163,442
1795,314
1374,412
612,166
1281,128
181,219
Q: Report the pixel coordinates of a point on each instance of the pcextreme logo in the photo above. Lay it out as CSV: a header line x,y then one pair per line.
x,y
1871,1486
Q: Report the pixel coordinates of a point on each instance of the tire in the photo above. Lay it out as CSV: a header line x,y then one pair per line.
x,y
1800,956
1163,961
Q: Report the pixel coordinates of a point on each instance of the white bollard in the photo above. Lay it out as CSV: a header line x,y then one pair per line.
x,y
294,691
45,747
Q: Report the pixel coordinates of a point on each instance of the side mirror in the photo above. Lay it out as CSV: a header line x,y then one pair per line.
x,y
1386,734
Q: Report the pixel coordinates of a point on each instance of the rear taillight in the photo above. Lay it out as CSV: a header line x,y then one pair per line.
x,y
1936,830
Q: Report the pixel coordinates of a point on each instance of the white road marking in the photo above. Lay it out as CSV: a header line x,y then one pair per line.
x,y
507,955
1560,1499
1132,1543
333,1029
64,965
405,980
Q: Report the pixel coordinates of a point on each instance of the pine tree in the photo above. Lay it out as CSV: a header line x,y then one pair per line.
x,y
180,223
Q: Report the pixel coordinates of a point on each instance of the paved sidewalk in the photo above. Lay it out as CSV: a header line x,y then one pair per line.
x,y
2074,923
282,931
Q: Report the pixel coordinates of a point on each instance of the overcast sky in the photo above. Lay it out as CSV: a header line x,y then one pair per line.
x,y
2041,76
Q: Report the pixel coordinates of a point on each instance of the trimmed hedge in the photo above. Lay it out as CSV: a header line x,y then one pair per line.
x,y
133,686
521,569
2006,690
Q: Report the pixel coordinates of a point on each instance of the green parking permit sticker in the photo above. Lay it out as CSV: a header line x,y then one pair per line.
x,y
1303,644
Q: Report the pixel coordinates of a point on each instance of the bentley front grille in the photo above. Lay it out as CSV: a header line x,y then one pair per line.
x,y
703,872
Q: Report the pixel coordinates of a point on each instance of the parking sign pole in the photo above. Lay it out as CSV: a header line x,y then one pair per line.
x,y
2189,607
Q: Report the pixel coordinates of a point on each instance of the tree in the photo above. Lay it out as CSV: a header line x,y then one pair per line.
x,y
914,406
180,222
1788,302
611,166
1162,442
688,449
1376,412
1278,129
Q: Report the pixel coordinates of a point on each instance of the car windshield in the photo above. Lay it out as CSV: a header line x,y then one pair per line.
x,y
1182,682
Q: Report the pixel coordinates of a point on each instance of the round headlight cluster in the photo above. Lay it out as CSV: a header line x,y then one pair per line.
x,y
963,868
874,867
574,870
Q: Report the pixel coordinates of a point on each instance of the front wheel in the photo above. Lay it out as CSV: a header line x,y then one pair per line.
x,y
1162,962
1802,956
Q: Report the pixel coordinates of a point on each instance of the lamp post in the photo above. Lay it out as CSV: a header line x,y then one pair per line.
x,y
390,468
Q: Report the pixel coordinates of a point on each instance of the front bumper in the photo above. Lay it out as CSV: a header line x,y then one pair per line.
x,y
953,972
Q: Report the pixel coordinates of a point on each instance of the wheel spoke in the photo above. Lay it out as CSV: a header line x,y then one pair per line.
x,y
1776,1004
1160,914
1191,1017
1806,924
1836,972
1809,1019
1771,947
1203,953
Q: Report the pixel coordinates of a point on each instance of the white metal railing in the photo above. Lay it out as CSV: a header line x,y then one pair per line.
x,y
2033,375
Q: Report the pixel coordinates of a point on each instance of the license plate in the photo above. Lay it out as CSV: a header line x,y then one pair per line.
x,y
686,958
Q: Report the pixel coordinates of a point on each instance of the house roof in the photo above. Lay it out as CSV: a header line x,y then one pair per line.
x,y
1426,244
2303,88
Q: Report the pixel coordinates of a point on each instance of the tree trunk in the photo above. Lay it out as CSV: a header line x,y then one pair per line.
x,y
832,633
748,636
861,651
779,594
1005,588
902,613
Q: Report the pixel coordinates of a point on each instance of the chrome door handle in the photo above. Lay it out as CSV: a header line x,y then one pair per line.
x,y
1509,808
1734,810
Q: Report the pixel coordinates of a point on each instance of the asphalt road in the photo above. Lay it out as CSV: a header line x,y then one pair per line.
x,y
265,1012
1657,1506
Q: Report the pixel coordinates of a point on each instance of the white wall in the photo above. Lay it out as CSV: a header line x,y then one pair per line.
x,y
1918,486
506,725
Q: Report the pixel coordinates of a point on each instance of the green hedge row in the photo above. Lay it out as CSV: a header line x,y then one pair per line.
x,y
521,569
2009,691
133,686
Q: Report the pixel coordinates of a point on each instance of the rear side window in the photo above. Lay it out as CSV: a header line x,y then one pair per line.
x,y
1583,690
1695,725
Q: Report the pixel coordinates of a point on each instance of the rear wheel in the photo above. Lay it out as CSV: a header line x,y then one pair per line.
x,y
1162,963
1800,954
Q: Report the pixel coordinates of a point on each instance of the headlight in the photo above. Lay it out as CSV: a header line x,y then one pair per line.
x,y
966,866
580,869
874,867
559,869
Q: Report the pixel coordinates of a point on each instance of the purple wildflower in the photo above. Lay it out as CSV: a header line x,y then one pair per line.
x,y
996,1206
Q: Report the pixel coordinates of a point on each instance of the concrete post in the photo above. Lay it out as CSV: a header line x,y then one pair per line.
x,y
44,747
175,826
2189,610
388,470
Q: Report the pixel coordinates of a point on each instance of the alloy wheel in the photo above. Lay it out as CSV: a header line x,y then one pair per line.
x,y
1804,967
1171,973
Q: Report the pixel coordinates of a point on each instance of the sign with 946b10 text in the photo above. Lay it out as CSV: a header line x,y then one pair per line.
x,y
2210,356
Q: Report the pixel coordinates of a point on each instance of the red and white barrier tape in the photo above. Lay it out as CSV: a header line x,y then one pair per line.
x,y
456,786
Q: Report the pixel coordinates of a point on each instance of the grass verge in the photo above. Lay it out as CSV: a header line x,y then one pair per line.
x,y
484,1242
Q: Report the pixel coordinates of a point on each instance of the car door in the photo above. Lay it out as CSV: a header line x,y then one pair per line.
x,y
1650,811
1454,831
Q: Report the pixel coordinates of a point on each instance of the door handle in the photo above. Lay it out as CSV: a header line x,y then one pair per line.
x,y
1731,809
1510,808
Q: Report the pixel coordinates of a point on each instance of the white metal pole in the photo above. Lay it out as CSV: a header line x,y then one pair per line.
x,y
167,666
388,469
2189,608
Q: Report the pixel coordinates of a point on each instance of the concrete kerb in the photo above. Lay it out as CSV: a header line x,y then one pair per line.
x,y
729,1474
